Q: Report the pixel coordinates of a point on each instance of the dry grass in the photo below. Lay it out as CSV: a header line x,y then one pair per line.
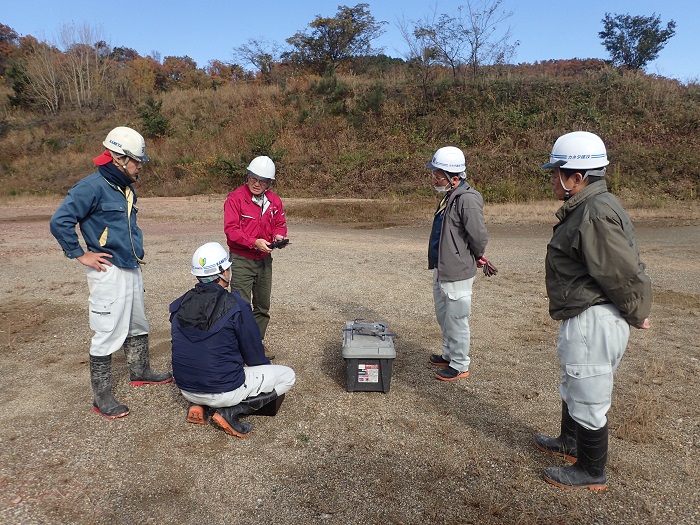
x,y
385,212
361,213
640,416
331,138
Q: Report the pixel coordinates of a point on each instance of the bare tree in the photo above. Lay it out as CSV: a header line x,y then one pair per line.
x,y
475,36
482,25
43,64
421,56
86,63
445,37
261,54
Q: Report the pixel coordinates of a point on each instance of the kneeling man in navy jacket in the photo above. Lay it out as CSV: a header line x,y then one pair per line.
x,y
218,357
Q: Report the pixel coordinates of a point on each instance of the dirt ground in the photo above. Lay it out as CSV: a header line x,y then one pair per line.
x,y
426,452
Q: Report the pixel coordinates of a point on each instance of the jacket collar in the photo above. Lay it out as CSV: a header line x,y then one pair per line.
x,y
114,175
213,286
574,202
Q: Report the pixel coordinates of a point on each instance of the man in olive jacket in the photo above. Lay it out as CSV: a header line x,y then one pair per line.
x,y
598,288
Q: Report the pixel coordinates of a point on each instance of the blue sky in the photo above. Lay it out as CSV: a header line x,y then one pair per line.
x,y
210,29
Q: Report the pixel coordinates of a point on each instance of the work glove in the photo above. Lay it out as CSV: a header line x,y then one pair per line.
x,y
489,269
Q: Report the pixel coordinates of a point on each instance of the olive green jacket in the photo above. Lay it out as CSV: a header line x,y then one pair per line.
x,y
593,259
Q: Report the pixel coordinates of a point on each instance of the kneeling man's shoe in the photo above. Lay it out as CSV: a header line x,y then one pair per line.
x,y
196,414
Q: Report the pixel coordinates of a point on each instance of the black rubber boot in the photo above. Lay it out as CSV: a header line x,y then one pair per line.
x,y
101,379
589,470
140,373
563,446
227,418
271,408
256,404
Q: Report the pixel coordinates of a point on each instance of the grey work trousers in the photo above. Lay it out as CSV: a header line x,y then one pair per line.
x,y
453,306
590,346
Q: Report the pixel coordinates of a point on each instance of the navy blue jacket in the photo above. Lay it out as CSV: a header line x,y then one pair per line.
x,y
213,335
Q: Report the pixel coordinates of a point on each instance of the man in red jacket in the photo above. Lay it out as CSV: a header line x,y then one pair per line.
x,y
254,219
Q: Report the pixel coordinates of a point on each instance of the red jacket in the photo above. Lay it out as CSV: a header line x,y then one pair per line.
x,y
245,221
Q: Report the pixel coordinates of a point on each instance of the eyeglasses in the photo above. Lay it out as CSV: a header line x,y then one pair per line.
x,y
263,182
438,176
127,158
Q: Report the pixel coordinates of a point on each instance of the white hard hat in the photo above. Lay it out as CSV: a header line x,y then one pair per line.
x,y
210,259
126,141
450,160
578,150
262,167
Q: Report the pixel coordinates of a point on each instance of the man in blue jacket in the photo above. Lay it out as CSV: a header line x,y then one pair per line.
x,y
104,204
214,334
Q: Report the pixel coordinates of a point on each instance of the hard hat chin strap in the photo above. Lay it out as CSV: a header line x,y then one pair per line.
x,y
598,172
567,191
118,161
222,276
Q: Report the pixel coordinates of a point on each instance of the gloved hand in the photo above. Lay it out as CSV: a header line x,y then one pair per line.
x,y
489,269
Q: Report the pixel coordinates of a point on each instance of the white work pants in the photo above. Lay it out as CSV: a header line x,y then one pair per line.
x,y
453,306
590,346
258,380
117,308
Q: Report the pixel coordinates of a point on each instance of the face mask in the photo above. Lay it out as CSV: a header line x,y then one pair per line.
x,y
441,189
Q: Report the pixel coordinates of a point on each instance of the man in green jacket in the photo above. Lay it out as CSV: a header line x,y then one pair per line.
x,y
598,288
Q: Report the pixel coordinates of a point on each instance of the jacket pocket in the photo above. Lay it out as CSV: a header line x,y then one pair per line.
x,y
113,206
455,245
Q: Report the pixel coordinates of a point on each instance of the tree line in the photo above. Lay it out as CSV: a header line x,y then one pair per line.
x,y
80,70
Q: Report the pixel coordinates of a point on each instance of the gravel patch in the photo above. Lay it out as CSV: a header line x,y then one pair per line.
x,y
426,452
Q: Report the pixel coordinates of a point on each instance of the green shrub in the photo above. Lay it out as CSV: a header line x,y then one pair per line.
x,y
153,122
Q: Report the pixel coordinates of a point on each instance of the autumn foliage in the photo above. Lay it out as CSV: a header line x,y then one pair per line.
x,y
366,129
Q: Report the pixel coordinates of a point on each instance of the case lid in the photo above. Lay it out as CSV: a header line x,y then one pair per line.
x,y
368,340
